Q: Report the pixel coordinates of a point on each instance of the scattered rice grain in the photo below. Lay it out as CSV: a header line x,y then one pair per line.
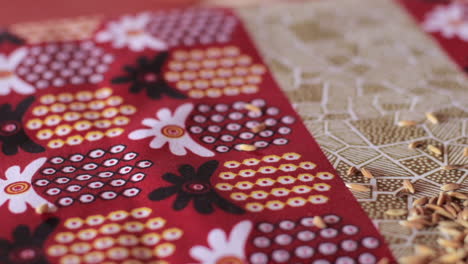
x,y
246,147
434,150
409,186
407,123
252,108
366,173
318,222
396,212
351,171
450,187
357,187
432,118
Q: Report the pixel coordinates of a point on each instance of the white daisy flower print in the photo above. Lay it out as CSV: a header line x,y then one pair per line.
x,y
130,32
8,79
449,20
170,128
223,248
17,189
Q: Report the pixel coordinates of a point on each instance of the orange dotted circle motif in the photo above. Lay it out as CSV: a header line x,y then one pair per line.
x,y
17,187
173,131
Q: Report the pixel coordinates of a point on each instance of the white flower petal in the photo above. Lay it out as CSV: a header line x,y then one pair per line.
x,y
135,46
4,88
164,114
221,246
3,62
155,43
16,57
158,142
182,112
32,168
202,254
3,199
196,148
136,43
463,32
17,204
127,21
21,86
119,42
177,147
448,20
141,133
13,173
142,20
217,239
114,27
151,122
238,237
448,32
103,36
118,32
13,82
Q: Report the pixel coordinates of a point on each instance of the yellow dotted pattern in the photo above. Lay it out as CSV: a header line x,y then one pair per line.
x,y
266,181
284,181
69,119
214,72
275,205
57,30
280,192
285,167
123,236
269,159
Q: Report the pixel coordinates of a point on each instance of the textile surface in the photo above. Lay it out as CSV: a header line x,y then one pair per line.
x,y
161,137
352,73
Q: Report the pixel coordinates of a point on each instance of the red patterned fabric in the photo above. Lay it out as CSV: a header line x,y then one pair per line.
x,y
135,135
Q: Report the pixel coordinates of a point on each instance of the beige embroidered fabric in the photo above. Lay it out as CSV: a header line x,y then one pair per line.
x,y
353,69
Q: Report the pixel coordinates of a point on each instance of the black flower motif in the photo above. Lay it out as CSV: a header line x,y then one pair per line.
x,y
6,36
147,74
194,185
12,134
27,246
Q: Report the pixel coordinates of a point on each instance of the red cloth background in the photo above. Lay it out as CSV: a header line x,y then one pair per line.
x,y
27,10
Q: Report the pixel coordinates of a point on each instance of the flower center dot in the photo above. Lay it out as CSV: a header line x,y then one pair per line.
x,y
173,131
196,187
27,254
456,22
134,32
8,128
17,187
150,77
5,74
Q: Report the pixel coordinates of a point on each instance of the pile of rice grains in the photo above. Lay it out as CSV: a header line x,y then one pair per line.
x,y
447,212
